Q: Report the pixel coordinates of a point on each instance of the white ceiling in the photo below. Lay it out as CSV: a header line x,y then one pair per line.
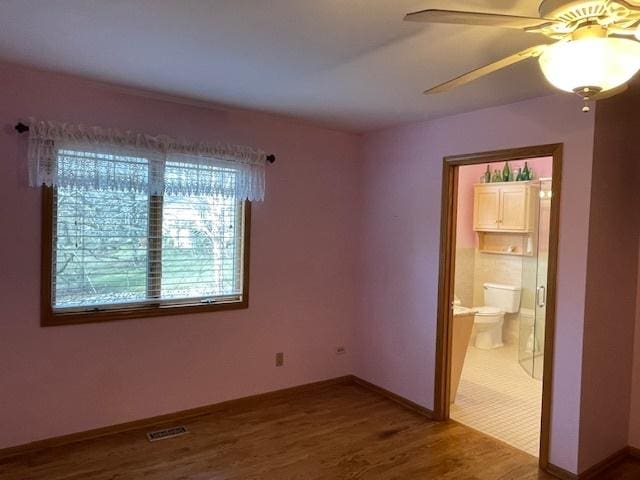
x,y
348,64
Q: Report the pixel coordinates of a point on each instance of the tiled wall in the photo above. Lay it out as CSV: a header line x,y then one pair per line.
x,y
464,275
474,269
496,268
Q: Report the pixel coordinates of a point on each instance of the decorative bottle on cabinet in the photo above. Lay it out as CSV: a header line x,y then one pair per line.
x,y
526,175
506,172
487,175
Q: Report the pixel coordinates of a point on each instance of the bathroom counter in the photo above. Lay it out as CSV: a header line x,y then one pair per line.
x,y
461,333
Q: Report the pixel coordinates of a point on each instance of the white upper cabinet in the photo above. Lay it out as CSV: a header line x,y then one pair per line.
x,y
504,207
486,210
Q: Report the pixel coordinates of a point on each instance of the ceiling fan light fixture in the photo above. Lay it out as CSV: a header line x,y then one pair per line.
x,y
596,63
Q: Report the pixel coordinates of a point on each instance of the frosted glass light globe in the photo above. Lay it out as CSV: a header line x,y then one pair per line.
x,y
604,63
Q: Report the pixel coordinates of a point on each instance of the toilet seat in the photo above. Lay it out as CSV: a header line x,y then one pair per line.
x,y
488,315
488,310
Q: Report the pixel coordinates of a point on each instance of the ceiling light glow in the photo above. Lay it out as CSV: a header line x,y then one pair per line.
x,y
598,64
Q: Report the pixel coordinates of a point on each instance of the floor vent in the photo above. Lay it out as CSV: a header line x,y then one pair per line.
x,y
167,433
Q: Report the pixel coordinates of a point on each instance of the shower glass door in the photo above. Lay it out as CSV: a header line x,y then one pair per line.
x,y
534,287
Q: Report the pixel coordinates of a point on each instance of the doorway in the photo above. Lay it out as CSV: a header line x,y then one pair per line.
x,y
503,310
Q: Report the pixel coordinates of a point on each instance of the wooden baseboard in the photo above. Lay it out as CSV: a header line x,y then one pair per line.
x,y
595,470
560,472
634,452
166,418
609,462
393,396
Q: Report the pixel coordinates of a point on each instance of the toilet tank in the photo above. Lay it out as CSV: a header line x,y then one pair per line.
x,y
504,297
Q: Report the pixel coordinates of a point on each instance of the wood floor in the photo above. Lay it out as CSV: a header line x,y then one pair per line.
x,y
340,431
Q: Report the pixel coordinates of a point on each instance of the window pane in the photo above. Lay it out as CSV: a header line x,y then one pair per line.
x,y
117,247
201,249
100,247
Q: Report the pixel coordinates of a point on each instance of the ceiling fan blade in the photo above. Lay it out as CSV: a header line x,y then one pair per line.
x,y
487,69
626,4
611,93
478,18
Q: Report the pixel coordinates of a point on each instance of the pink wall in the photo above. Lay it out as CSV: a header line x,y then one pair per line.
x,y
613,256
628,122
468,176
401,181
634,404
60,380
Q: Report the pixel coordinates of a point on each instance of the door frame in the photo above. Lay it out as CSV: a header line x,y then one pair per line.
x,y
447,276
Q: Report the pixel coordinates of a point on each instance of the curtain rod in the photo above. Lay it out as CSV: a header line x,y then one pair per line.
x,y
21,128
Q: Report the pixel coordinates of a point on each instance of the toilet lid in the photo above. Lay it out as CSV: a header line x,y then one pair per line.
x,y
487,311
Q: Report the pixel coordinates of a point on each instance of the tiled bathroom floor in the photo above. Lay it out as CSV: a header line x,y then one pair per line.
x,y
498,398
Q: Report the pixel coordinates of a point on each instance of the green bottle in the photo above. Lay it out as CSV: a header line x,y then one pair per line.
x,y
506,172
487,175
497,177
519,176
526,174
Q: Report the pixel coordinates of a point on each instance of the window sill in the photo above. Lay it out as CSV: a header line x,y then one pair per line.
x,y
51,318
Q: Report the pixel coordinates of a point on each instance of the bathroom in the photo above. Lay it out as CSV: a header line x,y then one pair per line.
x,y
498,333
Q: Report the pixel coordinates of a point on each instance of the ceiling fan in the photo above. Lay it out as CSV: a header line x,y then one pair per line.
x,y
593,55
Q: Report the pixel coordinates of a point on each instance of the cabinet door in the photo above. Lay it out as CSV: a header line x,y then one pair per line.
x,y
513,208
486,208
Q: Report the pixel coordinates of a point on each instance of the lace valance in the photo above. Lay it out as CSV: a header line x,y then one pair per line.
x,y
76,156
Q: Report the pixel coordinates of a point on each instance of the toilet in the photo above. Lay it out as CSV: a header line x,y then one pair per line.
x,y
489,319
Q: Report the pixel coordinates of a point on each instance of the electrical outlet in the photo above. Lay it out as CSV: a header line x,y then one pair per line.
x,y
341,350
279,359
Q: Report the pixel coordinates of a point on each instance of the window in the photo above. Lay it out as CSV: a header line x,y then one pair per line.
x,y
118,252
